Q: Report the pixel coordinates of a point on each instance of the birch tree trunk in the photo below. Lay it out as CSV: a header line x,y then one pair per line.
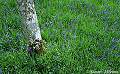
x,y
30,25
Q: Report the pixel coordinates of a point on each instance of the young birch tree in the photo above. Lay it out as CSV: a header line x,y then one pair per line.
x,y
30,25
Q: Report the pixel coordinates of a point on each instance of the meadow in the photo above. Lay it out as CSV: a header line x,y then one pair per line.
x,y
81,36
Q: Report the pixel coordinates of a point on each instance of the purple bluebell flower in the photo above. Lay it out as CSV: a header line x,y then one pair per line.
x,y
30,50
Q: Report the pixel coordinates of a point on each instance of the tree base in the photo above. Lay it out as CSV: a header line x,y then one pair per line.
x,y
36,46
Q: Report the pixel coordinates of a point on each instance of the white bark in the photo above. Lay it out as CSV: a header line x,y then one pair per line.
x,y
30,23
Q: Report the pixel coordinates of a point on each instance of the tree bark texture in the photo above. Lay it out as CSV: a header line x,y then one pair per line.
x,y
30,25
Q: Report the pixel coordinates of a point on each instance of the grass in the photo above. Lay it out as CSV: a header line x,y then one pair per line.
x,y
81,35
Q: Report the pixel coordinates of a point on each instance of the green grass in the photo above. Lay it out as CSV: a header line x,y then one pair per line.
x,y
81,35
